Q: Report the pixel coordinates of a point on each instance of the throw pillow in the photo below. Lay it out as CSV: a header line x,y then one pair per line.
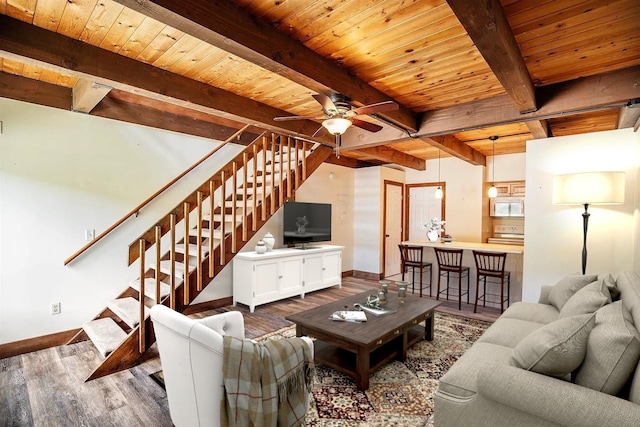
x,y
565,288
613,288
555,349
613,351
587,300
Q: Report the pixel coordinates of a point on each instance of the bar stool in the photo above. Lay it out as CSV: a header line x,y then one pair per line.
x,y
450,261
490,265
411,256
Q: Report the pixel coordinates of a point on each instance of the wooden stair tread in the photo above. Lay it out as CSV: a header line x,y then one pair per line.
x,y
165,267
128,310
150,288
105,334
193,248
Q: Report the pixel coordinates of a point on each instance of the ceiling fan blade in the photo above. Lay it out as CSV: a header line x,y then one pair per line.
x,y
281,119
377,107
320,132
371,127
325,101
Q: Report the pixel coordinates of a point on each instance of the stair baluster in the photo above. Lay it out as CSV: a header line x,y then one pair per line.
x,y
199,244
234,206
254,189
158,257
264,177
245,161
172,260
185,282
212,210
141,334
223,208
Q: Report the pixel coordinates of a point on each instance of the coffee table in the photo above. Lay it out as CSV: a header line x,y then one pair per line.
x,y
358,349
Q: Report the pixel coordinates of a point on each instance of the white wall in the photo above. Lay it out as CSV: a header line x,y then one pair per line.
x,y
62,173
367,220
508,167
553,233
463,198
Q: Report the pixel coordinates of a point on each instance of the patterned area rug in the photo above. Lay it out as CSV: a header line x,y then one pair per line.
x,y
399,394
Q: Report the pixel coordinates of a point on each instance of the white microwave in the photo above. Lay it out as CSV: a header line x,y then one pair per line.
x,y
506,207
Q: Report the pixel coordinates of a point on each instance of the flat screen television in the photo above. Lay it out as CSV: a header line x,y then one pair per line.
x,y
305,223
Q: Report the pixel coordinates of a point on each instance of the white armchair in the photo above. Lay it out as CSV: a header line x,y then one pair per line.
x,y
191,353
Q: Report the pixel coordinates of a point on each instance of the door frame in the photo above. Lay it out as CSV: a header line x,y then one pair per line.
x,y
384,219
407,199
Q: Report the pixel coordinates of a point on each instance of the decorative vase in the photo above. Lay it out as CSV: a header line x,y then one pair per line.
x,y
402,290
261,247
433,235
269,241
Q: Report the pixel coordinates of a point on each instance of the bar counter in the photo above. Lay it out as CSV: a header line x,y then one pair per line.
x,y
514,260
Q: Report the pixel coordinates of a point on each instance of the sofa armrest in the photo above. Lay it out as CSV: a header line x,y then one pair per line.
x,y
544,294
556,400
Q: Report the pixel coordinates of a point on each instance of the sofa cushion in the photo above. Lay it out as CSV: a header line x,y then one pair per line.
x,y
566,287
587,300
461,379
509,332
634,391
613,350
531,311
557,348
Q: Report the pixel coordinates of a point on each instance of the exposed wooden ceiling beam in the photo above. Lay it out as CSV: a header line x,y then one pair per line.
x,y
539,128
233,29
457,148
28,43
117,108
33,45
87,94
391,155
489,29
603,91
34,91
113,107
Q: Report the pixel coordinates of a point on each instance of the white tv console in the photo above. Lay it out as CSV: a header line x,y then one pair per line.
x,y
283,273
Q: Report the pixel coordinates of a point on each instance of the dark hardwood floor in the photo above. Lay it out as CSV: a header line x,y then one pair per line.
x,y
46,388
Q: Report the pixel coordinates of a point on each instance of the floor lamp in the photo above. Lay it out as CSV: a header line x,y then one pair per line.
x,y
588,188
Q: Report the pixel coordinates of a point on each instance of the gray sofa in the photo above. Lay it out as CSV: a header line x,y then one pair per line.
x,y
571,359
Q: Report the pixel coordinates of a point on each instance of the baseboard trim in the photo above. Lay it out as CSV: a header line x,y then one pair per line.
x,y
207,305
17,348
366,275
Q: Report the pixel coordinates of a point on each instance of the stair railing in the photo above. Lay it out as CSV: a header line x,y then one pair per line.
x,y
137,209
277,191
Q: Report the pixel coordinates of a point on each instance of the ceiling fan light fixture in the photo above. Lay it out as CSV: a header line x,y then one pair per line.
x,y
336,125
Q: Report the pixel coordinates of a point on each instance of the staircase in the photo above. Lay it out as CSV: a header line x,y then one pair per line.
x,y
193,242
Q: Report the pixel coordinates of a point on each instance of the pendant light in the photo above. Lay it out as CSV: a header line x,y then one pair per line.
x,y
493,191
439,193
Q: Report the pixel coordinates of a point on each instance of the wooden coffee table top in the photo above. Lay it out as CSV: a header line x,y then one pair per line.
x,y
316,321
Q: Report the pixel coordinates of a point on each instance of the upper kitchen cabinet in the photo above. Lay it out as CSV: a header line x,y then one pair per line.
x,y
510,189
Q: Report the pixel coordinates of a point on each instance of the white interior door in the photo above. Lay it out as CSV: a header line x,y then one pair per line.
x,y
423,206
393,228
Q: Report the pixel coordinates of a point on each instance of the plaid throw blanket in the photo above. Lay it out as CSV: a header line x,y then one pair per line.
x,y
265,382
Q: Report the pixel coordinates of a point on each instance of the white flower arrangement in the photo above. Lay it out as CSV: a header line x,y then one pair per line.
x,y
436,225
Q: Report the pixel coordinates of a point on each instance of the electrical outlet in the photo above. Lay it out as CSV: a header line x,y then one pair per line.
x,y
55,308
89,234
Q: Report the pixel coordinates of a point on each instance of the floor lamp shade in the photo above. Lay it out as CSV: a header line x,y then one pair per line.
x,y
600,188
588,188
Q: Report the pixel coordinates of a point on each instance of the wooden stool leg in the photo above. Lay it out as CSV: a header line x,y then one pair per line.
x,y
475,305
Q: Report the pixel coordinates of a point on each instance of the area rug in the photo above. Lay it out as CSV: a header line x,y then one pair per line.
x,y
399,394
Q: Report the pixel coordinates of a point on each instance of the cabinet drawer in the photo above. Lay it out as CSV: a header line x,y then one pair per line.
x,y
397,332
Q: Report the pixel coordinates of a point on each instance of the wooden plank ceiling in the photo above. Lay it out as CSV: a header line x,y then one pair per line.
x,y
461,71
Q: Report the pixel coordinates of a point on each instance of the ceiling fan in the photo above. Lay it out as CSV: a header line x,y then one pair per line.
x,y
338,115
